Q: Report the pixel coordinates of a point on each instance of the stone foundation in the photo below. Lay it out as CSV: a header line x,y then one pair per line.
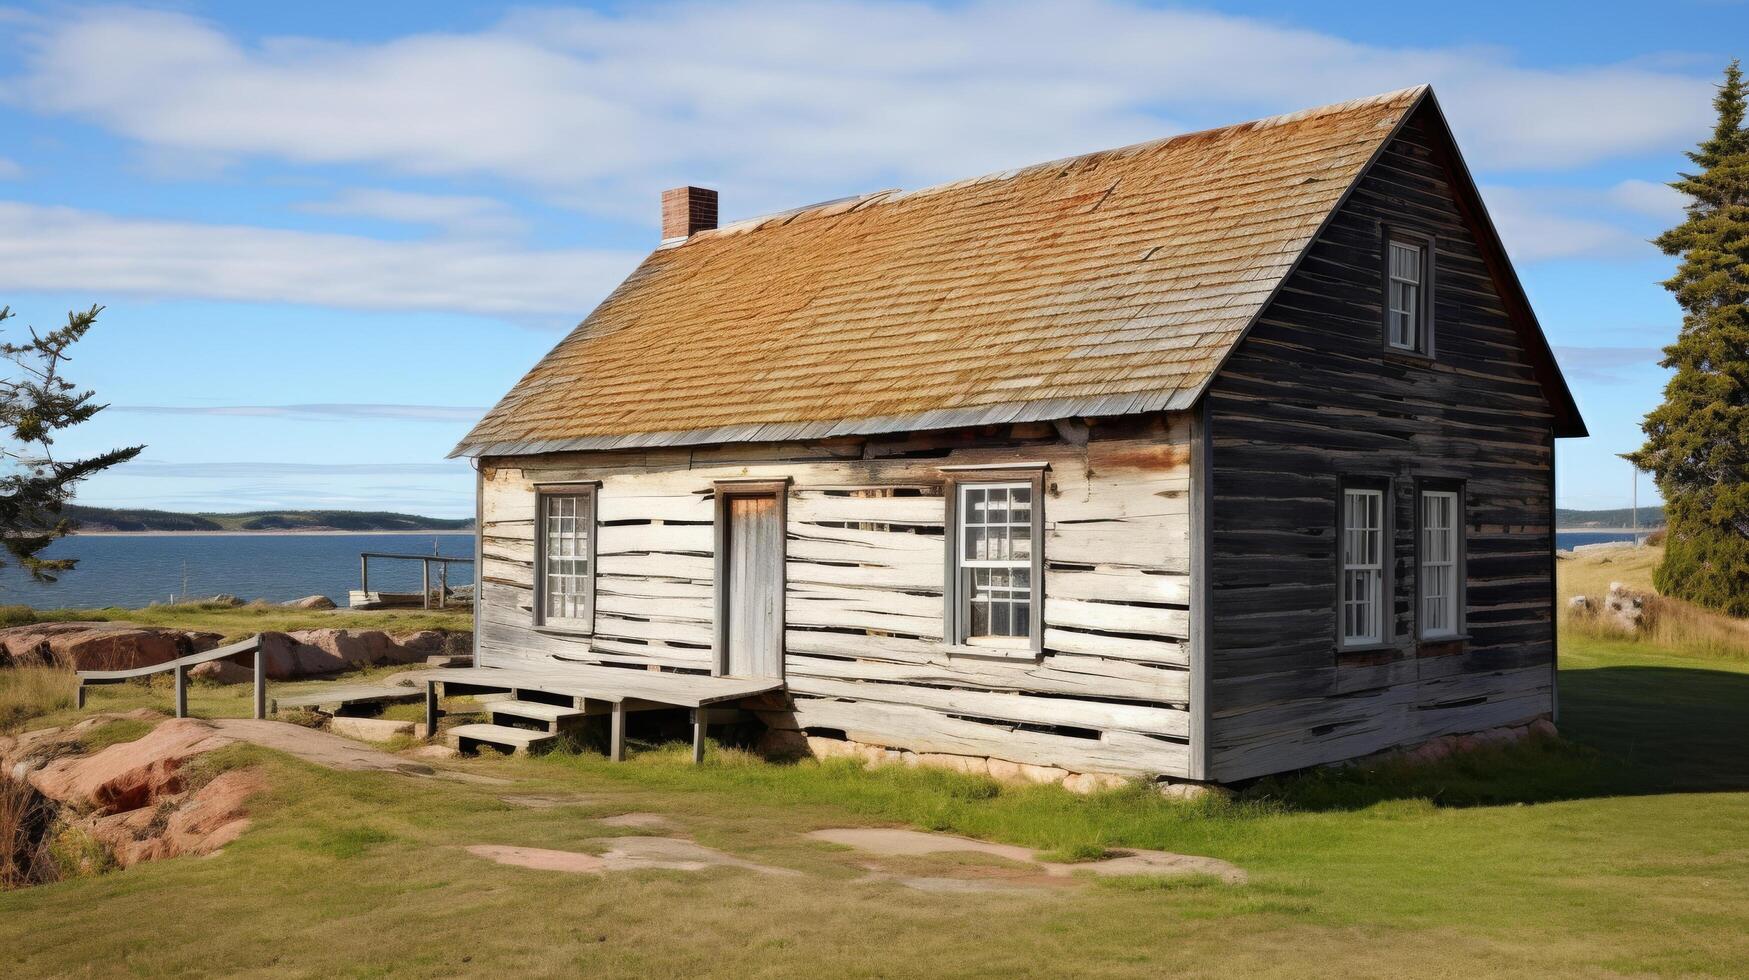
x,y
793,743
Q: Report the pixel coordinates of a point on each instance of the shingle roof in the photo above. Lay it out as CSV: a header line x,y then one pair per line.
x,y
1104,284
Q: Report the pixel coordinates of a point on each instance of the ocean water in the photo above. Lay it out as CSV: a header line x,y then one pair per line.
x,y
1567,540
129,570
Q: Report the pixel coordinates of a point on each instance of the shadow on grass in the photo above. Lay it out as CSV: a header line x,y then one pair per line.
x,y
1627,731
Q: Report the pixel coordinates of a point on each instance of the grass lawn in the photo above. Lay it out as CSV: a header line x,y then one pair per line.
x,y
1625,852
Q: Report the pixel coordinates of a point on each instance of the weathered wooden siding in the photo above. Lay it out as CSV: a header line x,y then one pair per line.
x,y
1309,397
863,597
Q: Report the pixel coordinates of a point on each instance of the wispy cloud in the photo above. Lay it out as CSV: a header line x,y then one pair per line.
x,y
48,248
256,470
457,214
10,169
1654,200
785,99
1606,365
420,413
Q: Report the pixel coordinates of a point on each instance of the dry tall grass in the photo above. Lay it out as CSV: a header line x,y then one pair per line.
x,y
1673,623
25,855
28,692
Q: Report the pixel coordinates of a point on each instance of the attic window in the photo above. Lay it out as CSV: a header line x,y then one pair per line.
x,y
1408,289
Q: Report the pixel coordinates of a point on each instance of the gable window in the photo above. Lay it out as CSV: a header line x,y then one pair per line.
x,y
1362,608
565,580
994,562
1441,564
1408,293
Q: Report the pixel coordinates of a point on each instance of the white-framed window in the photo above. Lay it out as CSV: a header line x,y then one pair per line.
x,y
995,567
1362,605
565,583
1441,571
1406,283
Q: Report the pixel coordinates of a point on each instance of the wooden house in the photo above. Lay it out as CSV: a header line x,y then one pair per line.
x,y
1207,458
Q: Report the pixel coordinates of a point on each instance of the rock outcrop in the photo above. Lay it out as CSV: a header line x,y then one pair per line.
x,y
99,646
135,798
312,653
311,602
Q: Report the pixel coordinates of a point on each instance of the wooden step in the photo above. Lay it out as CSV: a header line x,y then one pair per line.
x,y
517,740
549,714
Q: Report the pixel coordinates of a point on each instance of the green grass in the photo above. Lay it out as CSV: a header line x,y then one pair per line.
x,y
1622,852
240,622
114,732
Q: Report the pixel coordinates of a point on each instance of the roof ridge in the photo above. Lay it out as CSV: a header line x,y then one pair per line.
x,y
853,202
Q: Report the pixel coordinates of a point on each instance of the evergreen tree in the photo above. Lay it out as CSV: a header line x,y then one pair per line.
x,y
34,405
1697,441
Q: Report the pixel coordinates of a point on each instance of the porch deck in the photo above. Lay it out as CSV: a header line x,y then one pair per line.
x,y
593,689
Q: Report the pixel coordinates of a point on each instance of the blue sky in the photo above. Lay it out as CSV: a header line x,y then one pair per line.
x,y
329,235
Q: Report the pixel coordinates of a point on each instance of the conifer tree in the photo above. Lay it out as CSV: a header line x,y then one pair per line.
x,y
36,402
1697,441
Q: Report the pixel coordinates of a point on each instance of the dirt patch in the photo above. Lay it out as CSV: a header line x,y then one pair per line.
x,y
898,843
334,752
548,801
624,854
637,820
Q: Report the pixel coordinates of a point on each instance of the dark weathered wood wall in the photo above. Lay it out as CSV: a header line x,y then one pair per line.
x,y
864,652
1310,397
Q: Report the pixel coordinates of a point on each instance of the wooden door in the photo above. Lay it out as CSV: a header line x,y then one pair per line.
x,y
753,586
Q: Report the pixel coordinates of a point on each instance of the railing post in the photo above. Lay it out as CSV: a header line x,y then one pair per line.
x,y
425,582
181,690
443,585
260,681
364,575
431,712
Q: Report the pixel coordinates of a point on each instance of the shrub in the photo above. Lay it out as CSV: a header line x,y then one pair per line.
x,y
1707,565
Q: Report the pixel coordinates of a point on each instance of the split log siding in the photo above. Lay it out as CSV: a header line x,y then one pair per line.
x,y
864,576
1308,398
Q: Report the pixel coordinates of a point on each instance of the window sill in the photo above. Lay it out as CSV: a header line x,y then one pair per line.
x,y
553,629
1358,648
1413,357
1447,638
971,652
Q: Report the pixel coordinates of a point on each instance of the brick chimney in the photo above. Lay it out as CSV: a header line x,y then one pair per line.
x,y
686,210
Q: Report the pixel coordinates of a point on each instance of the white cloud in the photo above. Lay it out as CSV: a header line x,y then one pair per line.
x,y
145,468
458,214
51,248
1607,365
10,169
1538,224
783,100
1651,199
413,413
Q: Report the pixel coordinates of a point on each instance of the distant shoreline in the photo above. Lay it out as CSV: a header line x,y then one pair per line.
x,y
276,532
1605,530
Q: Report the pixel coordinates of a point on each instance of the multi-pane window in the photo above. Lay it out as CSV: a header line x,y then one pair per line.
x,y
1406,282
995,560
567,522
1440,563
1363,566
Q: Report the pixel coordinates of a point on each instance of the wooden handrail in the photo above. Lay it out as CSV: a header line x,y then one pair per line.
x,y
180,667
364,558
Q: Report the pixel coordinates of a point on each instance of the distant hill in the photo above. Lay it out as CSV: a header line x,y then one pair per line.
x,y
1621,517
114,519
